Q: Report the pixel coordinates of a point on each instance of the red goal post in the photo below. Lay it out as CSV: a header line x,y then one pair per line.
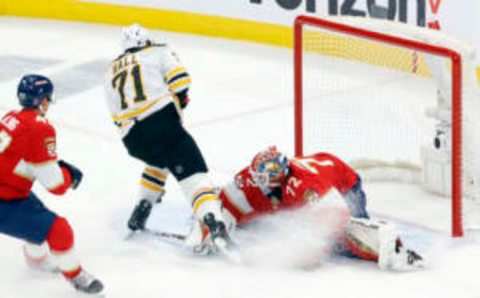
x,y
399,41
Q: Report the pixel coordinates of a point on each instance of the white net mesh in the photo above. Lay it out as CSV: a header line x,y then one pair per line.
x,y
366,100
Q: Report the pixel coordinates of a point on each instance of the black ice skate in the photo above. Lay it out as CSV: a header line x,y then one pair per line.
x,y
139,216
218,232
86,283
414,259
221,240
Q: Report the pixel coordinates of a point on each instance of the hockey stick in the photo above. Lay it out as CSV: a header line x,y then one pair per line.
x,y
164,235
232,255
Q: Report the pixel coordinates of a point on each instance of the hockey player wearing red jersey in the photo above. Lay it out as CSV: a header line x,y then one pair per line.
x,y
28,153
147,91
273,183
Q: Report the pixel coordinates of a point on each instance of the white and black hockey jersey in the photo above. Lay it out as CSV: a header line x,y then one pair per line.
x,y
142,81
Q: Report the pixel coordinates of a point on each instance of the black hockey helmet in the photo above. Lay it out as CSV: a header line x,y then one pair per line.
x,y
32,89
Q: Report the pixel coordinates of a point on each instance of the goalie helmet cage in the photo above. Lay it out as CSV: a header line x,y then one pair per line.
x,y
303,27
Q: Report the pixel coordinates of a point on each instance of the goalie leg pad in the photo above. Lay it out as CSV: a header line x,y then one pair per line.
x,y
371,240
387,245
379,241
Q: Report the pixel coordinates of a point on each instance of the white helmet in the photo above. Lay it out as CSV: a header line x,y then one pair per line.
x,y
134,36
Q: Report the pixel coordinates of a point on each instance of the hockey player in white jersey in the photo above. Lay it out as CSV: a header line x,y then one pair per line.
x,y
147,89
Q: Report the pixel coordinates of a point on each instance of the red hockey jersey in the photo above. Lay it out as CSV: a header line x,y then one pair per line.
x,y
27,153
318,173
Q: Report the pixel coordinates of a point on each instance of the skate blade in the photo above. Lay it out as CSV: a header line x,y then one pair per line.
x,y
129,235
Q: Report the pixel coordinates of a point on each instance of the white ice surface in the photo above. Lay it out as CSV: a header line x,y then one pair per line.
x,y
241,102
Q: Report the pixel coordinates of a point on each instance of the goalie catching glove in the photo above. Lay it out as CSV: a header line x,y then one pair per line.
x,y
75,173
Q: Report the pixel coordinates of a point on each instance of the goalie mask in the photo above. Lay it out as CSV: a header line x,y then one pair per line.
x,y
134,36
269,169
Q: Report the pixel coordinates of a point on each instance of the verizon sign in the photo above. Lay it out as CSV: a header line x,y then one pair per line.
x,y
457,17
407,11
282,12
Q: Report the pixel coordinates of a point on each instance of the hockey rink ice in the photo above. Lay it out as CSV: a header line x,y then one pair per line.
x,y
242,102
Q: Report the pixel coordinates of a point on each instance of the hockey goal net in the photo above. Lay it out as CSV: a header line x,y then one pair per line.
x,y
395,101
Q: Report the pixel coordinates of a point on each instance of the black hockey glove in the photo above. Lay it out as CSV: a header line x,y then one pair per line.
x,y
183,98
75,173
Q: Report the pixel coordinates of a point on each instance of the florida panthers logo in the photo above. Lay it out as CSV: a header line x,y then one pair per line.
x,y
51,147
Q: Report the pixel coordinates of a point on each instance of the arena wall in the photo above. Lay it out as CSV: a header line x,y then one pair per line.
x,y
263,21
